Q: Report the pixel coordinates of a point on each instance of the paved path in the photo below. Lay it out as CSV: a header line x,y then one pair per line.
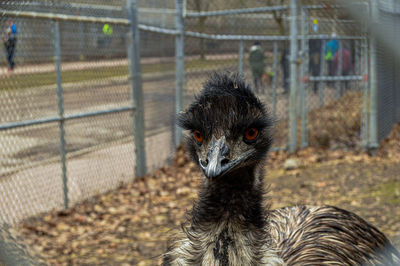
x,y
68,66
39,188
65,66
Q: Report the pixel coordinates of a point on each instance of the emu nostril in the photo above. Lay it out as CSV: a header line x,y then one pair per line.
x,y
225,151
224,161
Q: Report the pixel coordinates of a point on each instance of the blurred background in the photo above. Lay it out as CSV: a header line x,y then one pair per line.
x,y
92,170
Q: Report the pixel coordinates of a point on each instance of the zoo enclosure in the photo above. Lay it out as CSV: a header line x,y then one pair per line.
x,y
153,97
299,102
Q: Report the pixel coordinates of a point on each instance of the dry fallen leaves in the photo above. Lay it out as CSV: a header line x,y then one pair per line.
x,y
130,225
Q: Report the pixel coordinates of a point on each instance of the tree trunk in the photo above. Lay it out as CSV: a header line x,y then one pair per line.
x,y
202,21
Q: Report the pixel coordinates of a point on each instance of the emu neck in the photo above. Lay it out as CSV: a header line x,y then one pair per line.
x,y
229,222
233,198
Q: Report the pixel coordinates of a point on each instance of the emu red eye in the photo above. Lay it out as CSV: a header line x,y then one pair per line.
x,y
251,134
198,136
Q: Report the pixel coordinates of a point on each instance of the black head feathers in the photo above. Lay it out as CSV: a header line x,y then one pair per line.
x,y
226,103
226,107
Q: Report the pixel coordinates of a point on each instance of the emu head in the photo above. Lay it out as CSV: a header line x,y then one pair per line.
x,y
229,127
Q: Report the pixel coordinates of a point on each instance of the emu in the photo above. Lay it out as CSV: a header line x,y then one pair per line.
x,y
230,224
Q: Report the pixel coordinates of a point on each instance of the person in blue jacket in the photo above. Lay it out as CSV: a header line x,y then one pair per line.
x,y
10,41
332,46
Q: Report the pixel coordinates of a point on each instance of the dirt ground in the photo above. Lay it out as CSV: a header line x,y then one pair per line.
x,y
130,226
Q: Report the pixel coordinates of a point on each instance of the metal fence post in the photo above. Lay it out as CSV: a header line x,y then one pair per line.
x,y
373,127
365,94
179,58
293,77
274,77
339,70
304,75
241,56
357,60
137,92
60,100
321,73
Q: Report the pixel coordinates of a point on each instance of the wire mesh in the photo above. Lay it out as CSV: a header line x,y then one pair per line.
x,y
30,180
205,55
94,77
158,75
332,53
388,108
100,154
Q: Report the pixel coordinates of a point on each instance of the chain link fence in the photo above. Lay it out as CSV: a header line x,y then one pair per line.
x,y
244,39
388,105
67,127
331,71
79,106
328,85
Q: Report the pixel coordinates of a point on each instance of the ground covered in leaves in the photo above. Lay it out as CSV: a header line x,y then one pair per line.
x,y
130,226
341,119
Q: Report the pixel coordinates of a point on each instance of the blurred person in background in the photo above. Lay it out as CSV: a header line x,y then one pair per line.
x,y
347,64
285,67
315,54
10,40
257,64
332,46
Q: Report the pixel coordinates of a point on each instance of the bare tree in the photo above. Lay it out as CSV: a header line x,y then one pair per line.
x,y
199,6
204,5
278,14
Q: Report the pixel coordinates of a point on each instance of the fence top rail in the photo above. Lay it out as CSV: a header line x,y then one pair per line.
x,y
322,6
235,11
327,6
236,37
267,37
158,29
89,6
62,5
334,78
53,16
257,10
328,37
62,17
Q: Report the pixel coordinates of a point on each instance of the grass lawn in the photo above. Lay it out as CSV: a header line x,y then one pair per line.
x,y
42,79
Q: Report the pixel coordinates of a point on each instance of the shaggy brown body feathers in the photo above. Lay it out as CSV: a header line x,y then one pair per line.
x,y
328,235
229,224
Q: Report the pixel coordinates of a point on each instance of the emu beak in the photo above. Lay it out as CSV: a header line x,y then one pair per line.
x,y
217,162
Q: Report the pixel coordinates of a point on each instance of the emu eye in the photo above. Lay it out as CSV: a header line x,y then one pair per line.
x,y
198,136
251,134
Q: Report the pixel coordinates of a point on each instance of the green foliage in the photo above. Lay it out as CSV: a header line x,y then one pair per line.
x,y
389,192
